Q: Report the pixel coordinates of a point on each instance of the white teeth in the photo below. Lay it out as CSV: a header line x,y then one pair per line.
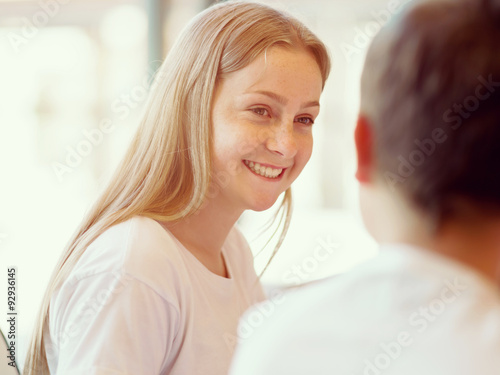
x,y
262,170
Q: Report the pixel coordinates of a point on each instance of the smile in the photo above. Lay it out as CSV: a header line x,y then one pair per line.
x,y
262,170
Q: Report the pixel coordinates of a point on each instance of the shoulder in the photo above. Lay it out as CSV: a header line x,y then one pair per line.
x,y
138,249
388,299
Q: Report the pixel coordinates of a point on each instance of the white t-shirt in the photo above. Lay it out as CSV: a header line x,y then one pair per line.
x,y
138,302
406,312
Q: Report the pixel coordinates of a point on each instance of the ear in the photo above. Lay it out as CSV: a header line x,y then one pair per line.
x,y
364,149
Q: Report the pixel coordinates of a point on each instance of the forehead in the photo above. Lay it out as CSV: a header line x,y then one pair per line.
x,y
278,68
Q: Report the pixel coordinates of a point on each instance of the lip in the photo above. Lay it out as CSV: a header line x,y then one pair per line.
x,y
280,176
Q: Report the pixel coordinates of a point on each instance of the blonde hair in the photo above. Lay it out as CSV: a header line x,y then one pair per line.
x,y
166,171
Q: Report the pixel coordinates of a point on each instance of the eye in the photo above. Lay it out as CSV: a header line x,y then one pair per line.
x,y
260,111
305,120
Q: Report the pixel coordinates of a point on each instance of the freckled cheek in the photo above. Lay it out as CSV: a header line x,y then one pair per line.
x,y
231,147
246,144
305,148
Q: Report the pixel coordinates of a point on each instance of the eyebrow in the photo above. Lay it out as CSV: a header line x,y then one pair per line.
x,y
282,100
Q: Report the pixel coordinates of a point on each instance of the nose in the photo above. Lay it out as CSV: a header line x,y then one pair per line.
x,y
282,140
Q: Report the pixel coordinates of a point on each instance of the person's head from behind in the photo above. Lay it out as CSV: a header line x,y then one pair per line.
x,y
428,134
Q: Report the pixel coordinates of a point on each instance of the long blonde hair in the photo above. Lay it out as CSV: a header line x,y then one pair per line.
x,y
166,171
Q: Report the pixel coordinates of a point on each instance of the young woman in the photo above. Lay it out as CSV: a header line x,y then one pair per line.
x,y
157,275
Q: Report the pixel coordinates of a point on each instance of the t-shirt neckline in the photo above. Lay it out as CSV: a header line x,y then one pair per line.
x,y
198,263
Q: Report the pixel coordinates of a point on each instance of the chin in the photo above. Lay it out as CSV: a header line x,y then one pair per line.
x,y
262,205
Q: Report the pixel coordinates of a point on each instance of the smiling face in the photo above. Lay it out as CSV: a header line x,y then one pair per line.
x,y
262,119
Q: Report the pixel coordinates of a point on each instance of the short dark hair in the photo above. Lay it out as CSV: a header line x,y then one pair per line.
x,y
431,88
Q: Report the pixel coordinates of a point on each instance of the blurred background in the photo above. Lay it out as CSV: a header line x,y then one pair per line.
x,y
68,67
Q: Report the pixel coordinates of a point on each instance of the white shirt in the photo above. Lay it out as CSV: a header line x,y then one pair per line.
x,y
138,302
406,312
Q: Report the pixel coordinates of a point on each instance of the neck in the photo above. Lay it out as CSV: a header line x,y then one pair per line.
x,y
473,239
205,232
474,243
